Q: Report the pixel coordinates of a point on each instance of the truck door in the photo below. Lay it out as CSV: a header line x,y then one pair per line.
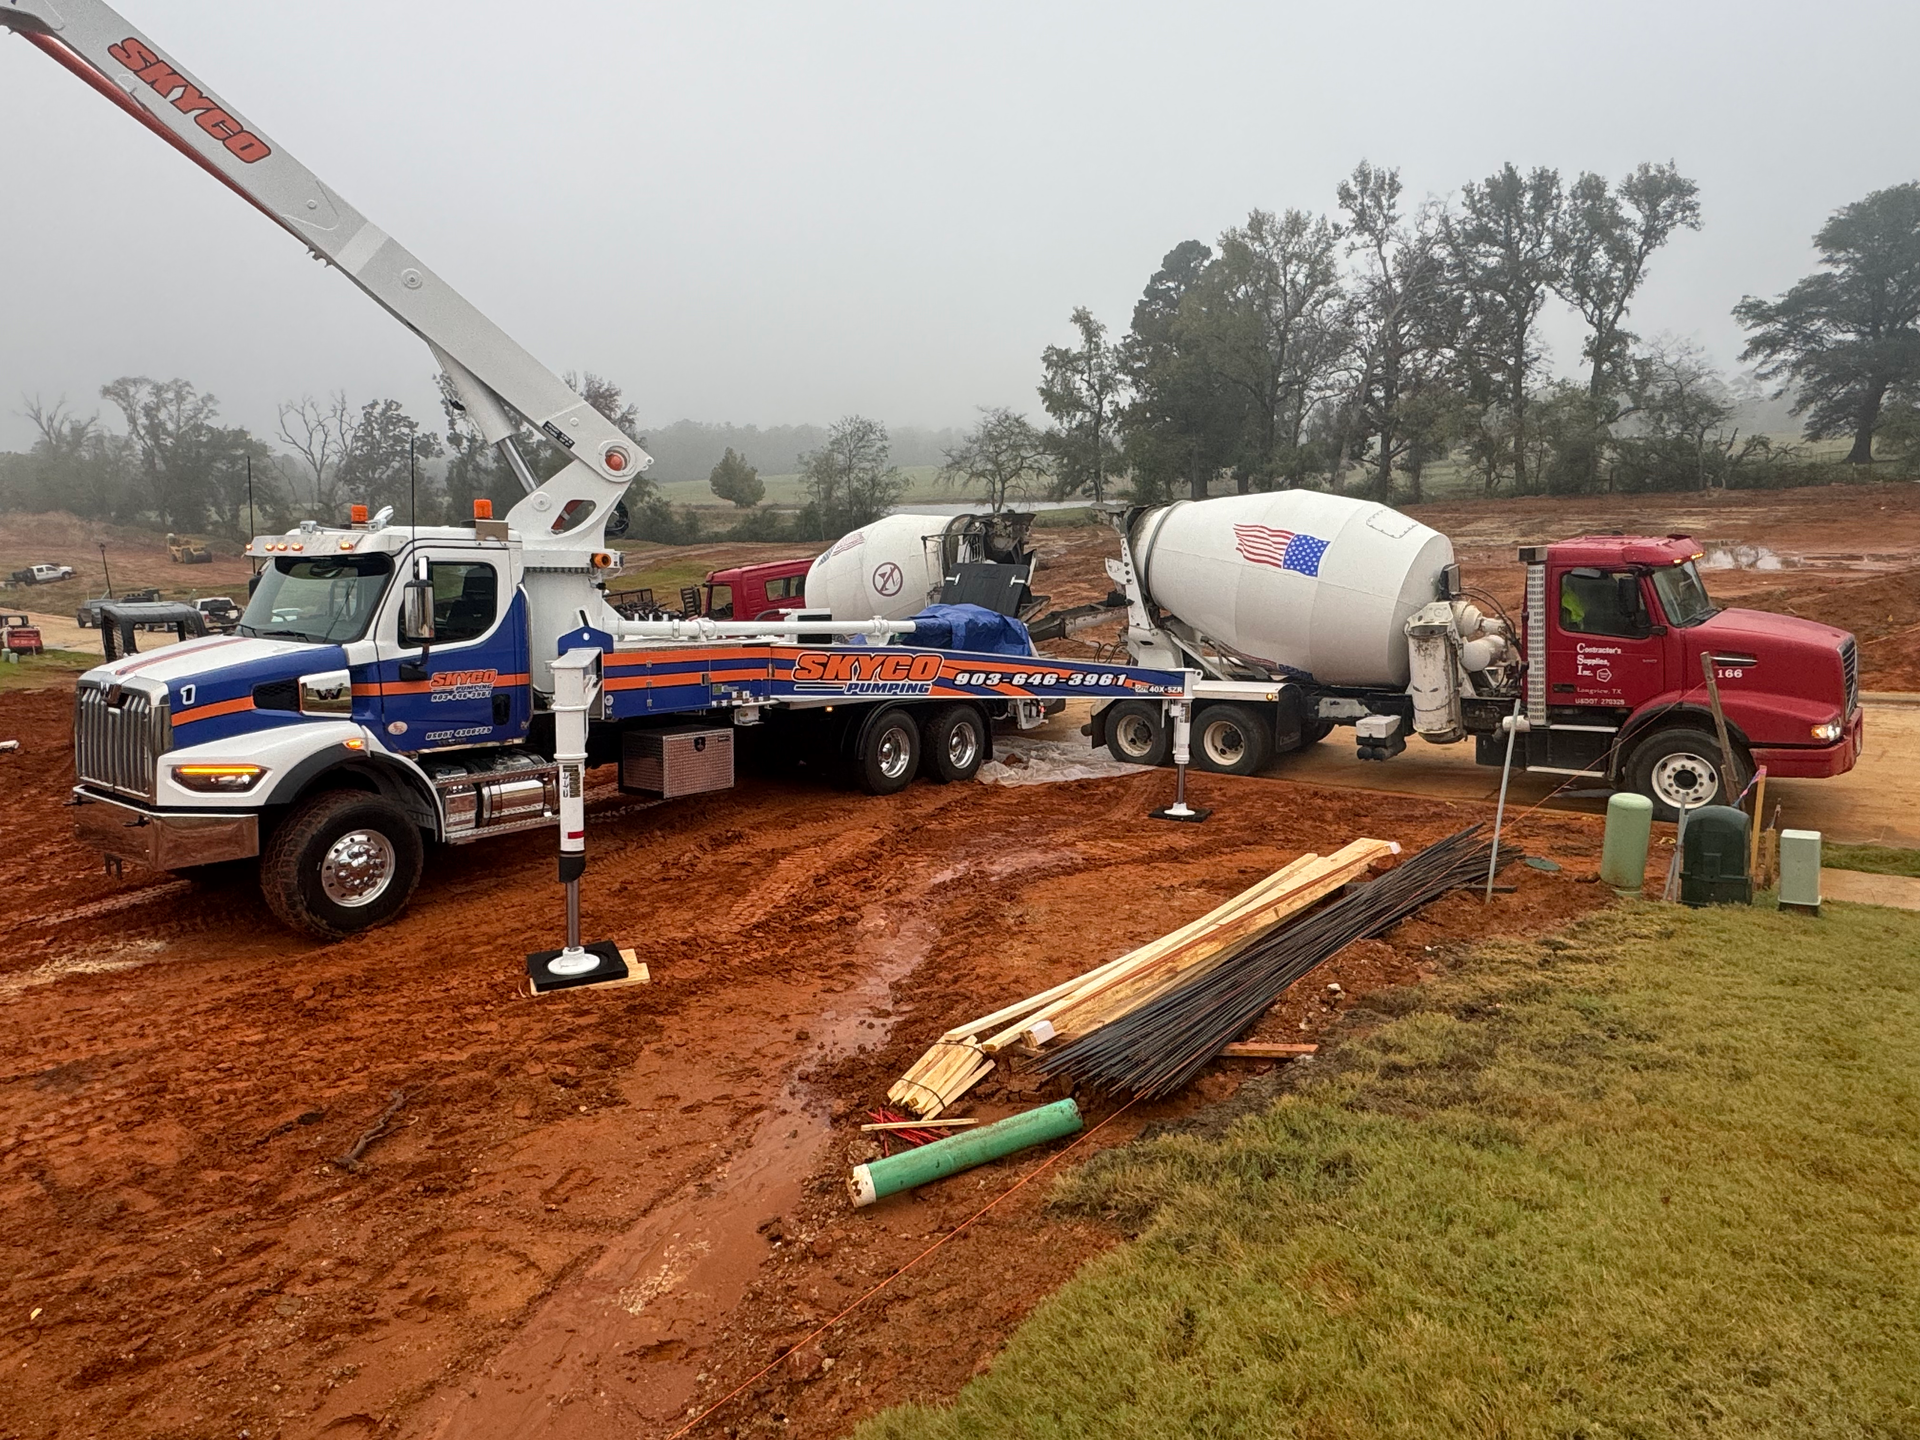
x,y
469,685
1602,651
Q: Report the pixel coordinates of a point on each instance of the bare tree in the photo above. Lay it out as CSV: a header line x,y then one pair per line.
x,y
1001,455
319,434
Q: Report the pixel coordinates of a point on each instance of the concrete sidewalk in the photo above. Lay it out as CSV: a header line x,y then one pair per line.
x,y
1901,892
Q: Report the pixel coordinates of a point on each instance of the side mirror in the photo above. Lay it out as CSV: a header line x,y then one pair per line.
x,y
416,607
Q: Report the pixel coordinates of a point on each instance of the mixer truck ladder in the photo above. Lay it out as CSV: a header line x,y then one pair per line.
x,y
494,376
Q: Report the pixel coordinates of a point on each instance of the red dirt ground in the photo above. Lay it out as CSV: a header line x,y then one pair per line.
x,y
592,1211
595,1213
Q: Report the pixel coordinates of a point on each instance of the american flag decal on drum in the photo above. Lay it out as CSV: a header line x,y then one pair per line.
x,y
1282,549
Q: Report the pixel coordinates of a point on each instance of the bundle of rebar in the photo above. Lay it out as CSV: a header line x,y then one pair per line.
x,y
1075,1007
1158,1047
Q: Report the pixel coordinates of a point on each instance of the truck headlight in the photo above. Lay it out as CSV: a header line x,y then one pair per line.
x,y
218,779
1828,733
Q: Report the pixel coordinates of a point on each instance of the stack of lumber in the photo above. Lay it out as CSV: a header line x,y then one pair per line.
x,y
1157,1047
1075,1008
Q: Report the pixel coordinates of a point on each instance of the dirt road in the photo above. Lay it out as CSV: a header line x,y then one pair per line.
x,y
1873,804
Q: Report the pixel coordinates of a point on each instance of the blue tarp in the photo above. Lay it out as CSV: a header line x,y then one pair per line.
x,y
972,628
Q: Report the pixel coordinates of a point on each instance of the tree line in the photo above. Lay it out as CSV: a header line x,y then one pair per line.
x,y
1355,349
1360,348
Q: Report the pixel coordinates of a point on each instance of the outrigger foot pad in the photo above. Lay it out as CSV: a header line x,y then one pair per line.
x,y
1180,812
597,964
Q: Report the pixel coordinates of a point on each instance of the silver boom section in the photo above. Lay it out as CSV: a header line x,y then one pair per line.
x,y
489,369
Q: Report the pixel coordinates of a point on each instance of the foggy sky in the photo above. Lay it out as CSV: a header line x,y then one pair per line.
x,y
767,214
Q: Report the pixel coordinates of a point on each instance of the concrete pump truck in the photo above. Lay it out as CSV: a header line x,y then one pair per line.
x,y
390,687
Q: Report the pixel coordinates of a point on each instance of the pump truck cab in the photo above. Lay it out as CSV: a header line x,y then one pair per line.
x,y
1304,611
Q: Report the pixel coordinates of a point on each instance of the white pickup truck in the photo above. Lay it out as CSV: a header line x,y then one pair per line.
x,y
43,574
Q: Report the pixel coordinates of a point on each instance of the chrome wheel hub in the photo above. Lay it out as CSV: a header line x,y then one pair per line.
x,y
1685,781
894,752
357,868
962,745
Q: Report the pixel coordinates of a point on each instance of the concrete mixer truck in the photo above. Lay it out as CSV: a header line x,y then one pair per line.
x,y
899,564
1303,611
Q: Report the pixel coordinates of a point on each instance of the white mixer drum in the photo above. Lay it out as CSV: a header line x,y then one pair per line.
x,y
1296,579
891,568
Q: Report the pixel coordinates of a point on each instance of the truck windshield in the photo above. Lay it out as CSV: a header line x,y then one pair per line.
x,y
323,601
1683,595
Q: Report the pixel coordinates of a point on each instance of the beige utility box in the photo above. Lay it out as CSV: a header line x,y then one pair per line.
x,y
679,760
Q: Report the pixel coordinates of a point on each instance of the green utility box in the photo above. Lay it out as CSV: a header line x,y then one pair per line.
x,y
1800,870
1713,858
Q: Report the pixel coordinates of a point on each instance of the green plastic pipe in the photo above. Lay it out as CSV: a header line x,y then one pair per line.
x,y
879,1178
1623,853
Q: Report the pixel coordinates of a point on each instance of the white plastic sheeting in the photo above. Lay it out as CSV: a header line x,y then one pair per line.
x,y
1049,762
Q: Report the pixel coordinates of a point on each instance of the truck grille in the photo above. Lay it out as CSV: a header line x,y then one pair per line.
x,y
1850,672
119,734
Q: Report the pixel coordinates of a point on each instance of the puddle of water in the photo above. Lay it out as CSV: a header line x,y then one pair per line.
x,y
1725,555
1747,557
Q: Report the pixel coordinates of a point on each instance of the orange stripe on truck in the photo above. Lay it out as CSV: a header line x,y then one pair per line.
x,y
208,712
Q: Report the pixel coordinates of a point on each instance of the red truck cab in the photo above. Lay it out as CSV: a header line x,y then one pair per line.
x,y
1613,634
756,592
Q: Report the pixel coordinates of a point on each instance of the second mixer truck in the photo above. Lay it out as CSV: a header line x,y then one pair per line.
x,y
1305,610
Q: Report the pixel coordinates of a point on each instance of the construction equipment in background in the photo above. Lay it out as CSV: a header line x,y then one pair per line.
x,y
963,1056
20,636
188,552
901,563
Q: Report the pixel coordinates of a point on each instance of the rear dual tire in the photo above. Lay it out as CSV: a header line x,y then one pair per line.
x,y
897,746
954,743
1223,739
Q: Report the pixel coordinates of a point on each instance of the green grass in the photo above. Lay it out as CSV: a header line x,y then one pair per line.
x,y
45,670
1658,1177
1874,859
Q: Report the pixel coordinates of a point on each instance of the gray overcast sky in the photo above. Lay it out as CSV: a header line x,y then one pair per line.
x,y
766,214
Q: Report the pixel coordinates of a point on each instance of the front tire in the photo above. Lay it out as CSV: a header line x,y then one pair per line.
x,y
1138,733
1680,767
955,744
889,755
1230,740
342,862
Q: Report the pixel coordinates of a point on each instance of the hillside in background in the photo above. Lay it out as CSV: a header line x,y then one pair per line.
x,y
689,449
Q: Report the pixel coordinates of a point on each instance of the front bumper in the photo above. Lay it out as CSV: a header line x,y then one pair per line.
x,y
1817,762
162,840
